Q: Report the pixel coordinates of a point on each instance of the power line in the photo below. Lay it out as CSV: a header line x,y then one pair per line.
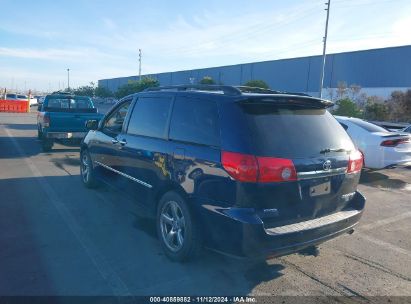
x,y
263,27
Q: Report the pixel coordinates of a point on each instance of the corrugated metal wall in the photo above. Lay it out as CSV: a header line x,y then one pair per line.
x,y
378,68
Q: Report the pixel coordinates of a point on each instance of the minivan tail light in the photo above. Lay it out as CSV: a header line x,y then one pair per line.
x,y
355,162
248,168
241,167
395,142
276,170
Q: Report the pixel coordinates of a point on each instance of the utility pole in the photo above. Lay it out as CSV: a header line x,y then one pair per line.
x,y
324,48
139,64
68,79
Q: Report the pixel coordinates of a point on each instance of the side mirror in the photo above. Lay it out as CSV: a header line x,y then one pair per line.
x,y
92,124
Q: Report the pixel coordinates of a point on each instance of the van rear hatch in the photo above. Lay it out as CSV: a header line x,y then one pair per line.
x,y
302,132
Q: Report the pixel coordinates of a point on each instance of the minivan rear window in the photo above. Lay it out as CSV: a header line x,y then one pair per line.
x,y
293,132
195,121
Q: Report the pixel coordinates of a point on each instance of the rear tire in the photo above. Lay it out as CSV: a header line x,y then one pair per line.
x,y
39,134
87,171
46,144
177,230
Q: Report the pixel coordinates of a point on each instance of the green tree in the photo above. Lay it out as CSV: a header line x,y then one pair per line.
x,y
400,105
346,107
376,111
136,86
257,84
87,90
102,92
207,80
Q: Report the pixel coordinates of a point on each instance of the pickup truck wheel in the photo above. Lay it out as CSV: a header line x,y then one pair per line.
x,y
177,229
39,134
47,145
86,170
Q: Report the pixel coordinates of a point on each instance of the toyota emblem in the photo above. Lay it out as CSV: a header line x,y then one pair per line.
x,y
327,165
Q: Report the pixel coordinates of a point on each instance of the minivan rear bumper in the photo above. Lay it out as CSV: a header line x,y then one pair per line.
x,y
241,232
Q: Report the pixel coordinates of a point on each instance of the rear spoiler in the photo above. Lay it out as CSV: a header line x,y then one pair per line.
x,y
289,99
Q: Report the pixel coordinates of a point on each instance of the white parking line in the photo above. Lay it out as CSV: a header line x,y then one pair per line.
x,y
384,222
118,287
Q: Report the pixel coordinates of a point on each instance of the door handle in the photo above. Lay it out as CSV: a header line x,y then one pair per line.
x,y
123,142
114,141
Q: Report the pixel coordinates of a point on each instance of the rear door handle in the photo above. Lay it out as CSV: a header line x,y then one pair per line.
x,y
123,142
114,141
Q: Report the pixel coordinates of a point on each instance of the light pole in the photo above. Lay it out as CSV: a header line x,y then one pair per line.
x,y
139,64
68,79
324,49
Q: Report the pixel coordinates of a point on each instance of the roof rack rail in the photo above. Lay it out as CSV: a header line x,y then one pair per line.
x,y
227,90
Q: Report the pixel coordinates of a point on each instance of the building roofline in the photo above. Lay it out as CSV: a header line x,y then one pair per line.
x,y
258,62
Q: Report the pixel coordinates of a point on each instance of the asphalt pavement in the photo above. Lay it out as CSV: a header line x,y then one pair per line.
x,y
59,238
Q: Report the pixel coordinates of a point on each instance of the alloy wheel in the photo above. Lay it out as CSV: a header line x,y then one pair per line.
x,y
172,225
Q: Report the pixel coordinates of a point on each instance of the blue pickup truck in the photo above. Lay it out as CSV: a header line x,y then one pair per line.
x,y
62,118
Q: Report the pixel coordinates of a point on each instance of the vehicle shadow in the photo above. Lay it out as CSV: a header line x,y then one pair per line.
x,y
24,127
24,270
31,147
36,241
380,180
234,275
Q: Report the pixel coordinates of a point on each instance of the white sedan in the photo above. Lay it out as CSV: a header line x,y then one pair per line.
x,y
381,148
33,101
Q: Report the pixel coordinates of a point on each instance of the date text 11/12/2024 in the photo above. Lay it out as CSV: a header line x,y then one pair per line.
x,y
203,299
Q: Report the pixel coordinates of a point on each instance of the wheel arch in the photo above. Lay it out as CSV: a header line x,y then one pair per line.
x,y
167,187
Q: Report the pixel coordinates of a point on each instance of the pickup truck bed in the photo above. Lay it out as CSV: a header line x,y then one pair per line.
x,y
63,118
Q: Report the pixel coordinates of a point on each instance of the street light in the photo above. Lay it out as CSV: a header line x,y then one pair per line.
x,y
324,49
139,64
68,79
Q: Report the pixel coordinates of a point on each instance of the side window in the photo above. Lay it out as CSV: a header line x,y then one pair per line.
x,y
150,116
195,121
114,123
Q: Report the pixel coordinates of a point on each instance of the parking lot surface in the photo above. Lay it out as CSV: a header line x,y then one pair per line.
x,y
59,238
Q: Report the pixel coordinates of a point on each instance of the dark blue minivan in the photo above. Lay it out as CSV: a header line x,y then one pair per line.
x,y
244,171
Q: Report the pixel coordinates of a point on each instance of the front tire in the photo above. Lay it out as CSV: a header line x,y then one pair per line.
x,y
86,170
177,229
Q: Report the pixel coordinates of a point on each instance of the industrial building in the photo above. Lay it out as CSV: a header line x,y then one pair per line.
x,y
377,71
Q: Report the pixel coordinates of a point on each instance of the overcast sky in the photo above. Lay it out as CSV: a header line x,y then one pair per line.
x,y
40,39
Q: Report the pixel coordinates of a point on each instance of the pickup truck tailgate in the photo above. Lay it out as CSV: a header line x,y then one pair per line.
x,y
70,122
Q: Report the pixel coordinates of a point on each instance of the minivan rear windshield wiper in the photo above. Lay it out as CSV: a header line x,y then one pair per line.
x,y
328,150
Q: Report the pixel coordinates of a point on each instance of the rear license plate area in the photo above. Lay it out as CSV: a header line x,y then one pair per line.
x,y
321,189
